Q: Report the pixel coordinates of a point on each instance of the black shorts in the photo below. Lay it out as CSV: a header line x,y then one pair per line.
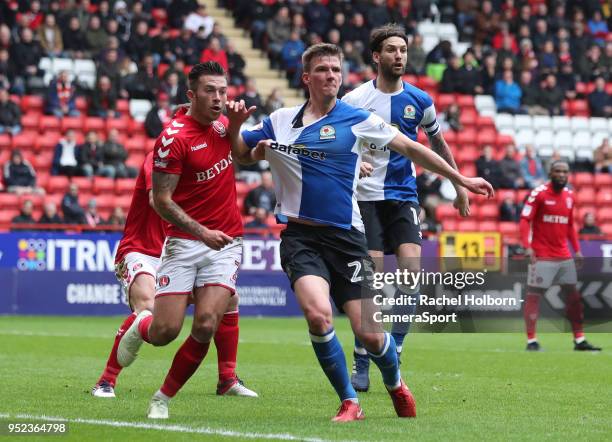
x,y
390,223
338,255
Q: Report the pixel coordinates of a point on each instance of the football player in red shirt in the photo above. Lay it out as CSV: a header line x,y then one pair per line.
x,y
136,264
547,223
194,190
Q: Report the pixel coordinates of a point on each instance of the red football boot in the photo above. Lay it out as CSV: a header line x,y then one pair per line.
x,y
349,411
403,401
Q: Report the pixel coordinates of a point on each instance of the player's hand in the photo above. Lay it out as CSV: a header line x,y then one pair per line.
x,y
237,112
579,259
215,239
259,153
479,186
462,203
365,169
530,255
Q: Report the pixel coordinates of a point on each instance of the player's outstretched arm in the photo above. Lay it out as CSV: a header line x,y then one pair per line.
x,y
432,161
164,185
439,146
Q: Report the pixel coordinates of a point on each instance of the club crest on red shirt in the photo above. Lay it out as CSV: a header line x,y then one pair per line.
x,y
219,128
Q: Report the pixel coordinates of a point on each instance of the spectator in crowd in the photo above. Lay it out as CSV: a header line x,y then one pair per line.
x,y
252,98
487,167
145,84
274,101
50,37
508,210
507,94
73,39
428,190
50,215
200,19
161,44
532,169
510,168
469,75
33,17
139,43
8,75
591,64
92,217
236,65
214,53
176,90
117,218
158,116
104,100
114,156
598,28
353,57
416,56
600,103
10,114
65,157
551,96
589,227
218,34
186,48
450,119
262,196
488,74
26,55
25,215
19,175
61,97
73,212
318,16
278,31
602,157
90,156
110,67
487,23
530,95
358,33
95,36
452,77
567,80
291,57
260,219
179,10
298,24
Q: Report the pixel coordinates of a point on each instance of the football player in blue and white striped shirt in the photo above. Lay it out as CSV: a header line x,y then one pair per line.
x,y
388,196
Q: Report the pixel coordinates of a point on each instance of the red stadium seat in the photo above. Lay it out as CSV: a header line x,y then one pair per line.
x,y
6,216
81,104
123,107
579,108
502,194
103,185
136,143
467,225
125,186
26,140
411,79
85,184
582,179
465,101
449,225
466,136
604,215
135,160
486,136
508,228
586,196
604,197
488,226
123,202
42,161
485,123
450,136
469,118
602,180
469,169
502,140
521,195
606,229
48,123
30,121
489,211
121,124
467,153
55,198
74,123
57,184
32,103
444,100
105,201
425,82
9,201
37,201
94,123
48,141
136,127
5,141
42,178
243,188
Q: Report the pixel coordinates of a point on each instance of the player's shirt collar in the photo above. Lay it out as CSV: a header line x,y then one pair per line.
x,y
397,92
298,120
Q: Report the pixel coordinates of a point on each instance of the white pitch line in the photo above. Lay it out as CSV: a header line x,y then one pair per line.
x,y
161,427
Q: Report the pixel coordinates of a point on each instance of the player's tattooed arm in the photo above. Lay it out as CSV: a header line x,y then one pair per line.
x,y
439,146
164,185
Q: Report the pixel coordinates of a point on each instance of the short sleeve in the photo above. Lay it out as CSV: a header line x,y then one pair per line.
x,y
168,155
429,122
147,169
531,205
375,131
262,131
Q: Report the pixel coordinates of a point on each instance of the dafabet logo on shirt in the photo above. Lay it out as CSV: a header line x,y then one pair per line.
x,y
327,132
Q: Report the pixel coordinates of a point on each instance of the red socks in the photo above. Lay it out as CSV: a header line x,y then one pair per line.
x,y
112,369
143,328
531,312
226,341
186,361
575,315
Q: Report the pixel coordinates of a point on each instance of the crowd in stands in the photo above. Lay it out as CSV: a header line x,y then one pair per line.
x,y
531,56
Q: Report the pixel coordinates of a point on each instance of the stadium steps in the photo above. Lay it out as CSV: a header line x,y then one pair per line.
x,y
257,64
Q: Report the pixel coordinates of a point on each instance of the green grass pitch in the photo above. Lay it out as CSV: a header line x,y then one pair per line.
x,y
467,387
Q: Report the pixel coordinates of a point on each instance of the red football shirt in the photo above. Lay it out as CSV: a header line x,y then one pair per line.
x,y
206,190
144,230
551,216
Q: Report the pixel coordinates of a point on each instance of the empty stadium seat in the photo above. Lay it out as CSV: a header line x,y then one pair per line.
x,y
486,136
523,122
524,137
582,179
504,121
103,185
582,140
606,229
603,215
449,225
597,124
26,140
445,211
465,101
602,180
49,140
139,109
502,194
561,123
9,201
74,123
562,139
94,123
57,184
484,104
469,117
508,227
488,226
125,186
579,123
467,225
541,122
544,138
488,211
7,215
49,122
85,184
604,197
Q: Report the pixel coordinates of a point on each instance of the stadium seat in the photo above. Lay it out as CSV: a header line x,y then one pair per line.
x,y
105,201
48,123
125,186
243,188
136,127
578,108
606,229
9,201
561,123
485,122
444,100
5,143
85,184
502,141
508,227
451,137
42,161
103,185
124,202
469,169
544,138
485,104
123,107
582,179
586,196
57,184
63,64
449,225
74,123
521,195
26,140
84,66
94,123
484,137
541,122
597,124
502,194
465,101
445,211
121,124
49,140
585,155
467,225
469,118
602,180
488,226
30,121
32,103
7,215
135,160
467,136
562,139
582,140
603,215
523,122
488,211
604,197
599,138
139,109
579,123
524,137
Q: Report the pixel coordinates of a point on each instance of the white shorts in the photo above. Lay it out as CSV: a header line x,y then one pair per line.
x,y
544,274
132,265
187,264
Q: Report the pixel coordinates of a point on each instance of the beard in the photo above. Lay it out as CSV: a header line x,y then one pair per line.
x,y
390,73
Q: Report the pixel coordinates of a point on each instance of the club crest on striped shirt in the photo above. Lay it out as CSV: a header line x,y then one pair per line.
x,y
410,112
327,132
